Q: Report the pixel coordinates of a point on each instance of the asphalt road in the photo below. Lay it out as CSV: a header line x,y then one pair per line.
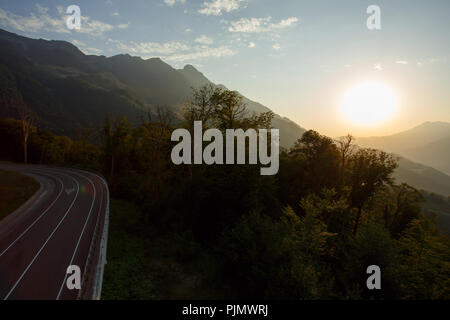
x,y
53,230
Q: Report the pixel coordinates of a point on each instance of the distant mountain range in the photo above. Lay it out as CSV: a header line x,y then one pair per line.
x,y
69,90
422,177
428,143
424,153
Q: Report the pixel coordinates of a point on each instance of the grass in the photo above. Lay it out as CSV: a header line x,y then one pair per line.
x,y
15,189
126,274
143,264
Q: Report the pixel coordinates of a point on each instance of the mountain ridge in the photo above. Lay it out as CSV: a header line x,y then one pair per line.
x,y
427,143
58,79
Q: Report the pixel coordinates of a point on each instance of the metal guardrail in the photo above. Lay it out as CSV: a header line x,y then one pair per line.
x,y
97,290
93,279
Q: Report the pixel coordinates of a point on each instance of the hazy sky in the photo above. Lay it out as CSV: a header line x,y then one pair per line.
x,y
296,57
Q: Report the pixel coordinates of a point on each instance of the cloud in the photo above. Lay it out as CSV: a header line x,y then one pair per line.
x,y
401,62
276,47
123,25
86,50
216,7
378,67
33,23
218,52
431,61
258,25
91,51
40,9
251,45
173,51
116,14
78,43
150,48
93,27
204,40
171,3
40,20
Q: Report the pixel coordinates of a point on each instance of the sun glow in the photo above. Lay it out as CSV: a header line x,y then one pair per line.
x,y
369,103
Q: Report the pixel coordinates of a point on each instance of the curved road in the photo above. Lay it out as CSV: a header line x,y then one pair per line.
x,y
61,225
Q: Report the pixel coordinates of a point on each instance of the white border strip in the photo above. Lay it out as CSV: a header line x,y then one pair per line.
x,y
98,278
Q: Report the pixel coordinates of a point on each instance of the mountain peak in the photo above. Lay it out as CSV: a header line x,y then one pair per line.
x,y
434,124
155,59
191,70
190,67
194,76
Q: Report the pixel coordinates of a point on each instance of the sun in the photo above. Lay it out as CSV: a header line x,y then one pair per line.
x,y
369,103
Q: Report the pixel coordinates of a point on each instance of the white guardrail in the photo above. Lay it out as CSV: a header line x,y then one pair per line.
x,y
97,290
93,280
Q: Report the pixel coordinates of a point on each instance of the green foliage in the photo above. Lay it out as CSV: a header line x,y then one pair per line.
x,y
396,206
223,109
372,246
440,207
369,170
15,189
276,259
311,165
424,261
44,147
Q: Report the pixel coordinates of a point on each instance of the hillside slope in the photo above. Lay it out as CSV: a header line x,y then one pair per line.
x,y
422,177
69,90
435,154
428,143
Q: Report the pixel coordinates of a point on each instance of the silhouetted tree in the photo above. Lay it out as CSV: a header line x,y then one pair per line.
x,y
27,119
369,170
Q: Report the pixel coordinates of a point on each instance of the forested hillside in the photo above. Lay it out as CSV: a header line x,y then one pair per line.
x,y
308,232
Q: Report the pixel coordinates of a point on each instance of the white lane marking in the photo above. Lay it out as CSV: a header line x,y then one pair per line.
x,y
69,191
101,204
44,193
82,232
38,218
45,243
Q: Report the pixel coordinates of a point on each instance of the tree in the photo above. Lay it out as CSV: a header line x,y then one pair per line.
x,y
398,205
370,170
221,108
151,154
424,267
202,105
115,144
346,148
229,109
372,245
277,258
310,166
27,119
